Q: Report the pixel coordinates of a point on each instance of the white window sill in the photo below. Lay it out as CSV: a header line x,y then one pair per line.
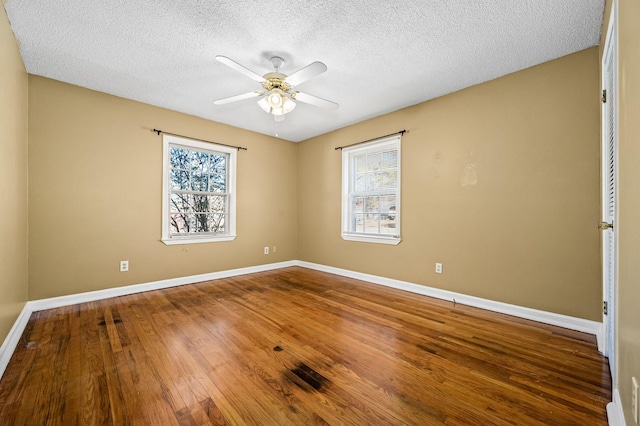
x,y
175,241
376,239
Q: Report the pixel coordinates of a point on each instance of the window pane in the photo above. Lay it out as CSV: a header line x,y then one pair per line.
x,y
389,159
179,180
199,161
216,222
218,164
388,204
179,158
358,223
388,214
200,203
217,183
360,183
202,225
390,179
371,224
217,204
182,223
199,182
179,203
388,225
358,204
372,204
374,181
361,164
373,162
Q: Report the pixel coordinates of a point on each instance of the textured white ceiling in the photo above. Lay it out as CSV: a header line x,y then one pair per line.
x,y
381,56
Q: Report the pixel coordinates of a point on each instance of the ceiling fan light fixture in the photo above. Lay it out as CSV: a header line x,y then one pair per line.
x,y
275,100
264,104
276,103
287,104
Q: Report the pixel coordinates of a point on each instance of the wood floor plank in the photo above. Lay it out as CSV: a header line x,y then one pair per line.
x,y
295,346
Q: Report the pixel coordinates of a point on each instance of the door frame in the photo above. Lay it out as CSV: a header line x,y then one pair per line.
x,y
610,320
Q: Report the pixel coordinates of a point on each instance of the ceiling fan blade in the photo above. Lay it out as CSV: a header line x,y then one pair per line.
x,y
306,73
314,100
240,68
236,98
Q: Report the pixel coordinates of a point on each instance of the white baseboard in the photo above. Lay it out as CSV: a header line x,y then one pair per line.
x,y
615,415
57,302
600,338
10,343
565,321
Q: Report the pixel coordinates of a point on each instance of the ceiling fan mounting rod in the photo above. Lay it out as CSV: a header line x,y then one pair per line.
x,y
277,62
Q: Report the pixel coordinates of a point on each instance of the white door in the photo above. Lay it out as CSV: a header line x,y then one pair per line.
x,y
609,174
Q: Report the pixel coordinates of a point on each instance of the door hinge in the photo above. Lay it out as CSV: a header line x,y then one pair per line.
x,y
604,307
603,226
604,96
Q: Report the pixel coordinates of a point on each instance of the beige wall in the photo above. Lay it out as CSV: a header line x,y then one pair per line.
x,y
95,193
525,233
13,179
628,344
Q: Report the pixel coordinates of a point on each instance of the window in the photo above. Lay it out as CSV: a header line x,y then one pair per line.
x,y
198,191
371,192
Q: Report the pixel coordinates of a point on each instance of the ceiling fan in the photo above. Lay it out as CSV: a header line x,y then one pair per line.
x,y
278,94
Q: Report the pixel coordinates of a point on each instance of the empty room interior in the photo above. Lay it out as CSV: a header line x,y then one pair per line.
x,y
320,212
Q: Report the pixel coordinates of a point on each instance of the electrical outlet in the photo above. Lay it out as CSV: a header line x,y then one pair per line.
x,y
124,266
438,268
266,250
634,399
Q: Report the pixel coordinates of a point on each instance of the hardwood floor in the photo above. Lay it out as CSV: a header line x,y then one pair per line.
x,y
296,346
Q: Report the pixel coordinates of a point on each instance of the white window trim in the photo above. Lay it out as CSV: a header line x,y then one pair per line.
x,y
167,239
361,237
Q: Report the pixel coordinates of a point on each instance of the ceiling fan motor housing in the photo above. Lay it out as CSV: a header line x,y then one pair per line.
x,y
275,80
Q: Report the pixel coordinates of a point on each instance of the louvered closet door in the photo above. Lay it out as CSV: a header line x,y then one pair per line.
x,y
609,201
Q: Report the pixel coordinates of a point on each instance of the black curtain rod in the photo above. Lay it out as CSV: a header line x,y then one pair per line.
x,y
196,139
401,132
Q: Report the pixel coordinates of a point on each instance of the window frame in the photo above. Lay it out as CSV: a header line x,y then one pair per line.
x,y
230,221
348,179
